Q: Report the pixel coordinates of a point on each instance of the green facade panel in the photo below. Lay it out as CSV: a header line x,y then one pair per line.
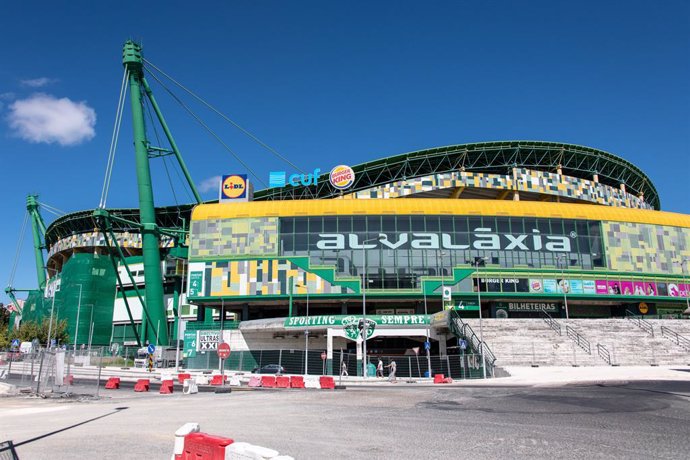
x,y
87,290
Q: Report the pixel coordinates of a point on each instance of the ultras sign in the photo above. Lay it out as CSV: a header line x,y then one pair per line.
x,y
480,238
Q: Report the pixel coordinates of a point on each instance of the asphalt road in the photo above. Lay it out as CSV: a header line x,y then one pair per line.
x,y
626,421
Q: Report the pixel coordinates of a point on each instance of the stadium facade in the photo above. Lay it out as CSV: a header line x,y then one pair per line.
x,y
531,227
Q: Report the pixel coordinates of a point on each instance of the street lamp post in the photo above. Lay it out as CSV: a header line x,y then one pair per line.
x,y
306,334
477,262
365,280
562,259
50,325
428,352
683,266
76,324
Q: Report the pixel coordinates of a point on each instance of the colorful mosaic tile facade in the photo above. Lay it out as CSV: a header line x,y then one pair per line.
x,y
645,248
96,238
234,237
262,277
525,180
576,188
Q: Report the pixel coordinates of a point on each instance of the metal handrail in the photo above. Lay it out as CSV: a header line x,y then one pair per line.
x,y
462,329
640,322
676,337
552,323
604,353
578,339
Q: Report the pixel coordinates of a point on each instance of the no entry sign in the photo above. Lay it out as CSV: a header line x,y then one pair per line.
x,y
223,350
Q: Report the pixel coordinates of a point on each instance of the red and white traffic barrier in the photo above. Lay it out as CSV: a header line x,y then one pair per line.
x,y
191,444
113,383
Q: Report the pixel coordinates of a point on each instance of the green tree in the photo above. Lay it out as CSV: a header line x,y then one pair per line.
x,y
29,330
4,327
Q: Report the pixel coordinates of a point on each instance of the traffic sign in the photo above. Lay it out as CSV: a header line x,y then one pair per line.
x,y
151,348
15,343
324,356
463,344
447,293
223,350
427,345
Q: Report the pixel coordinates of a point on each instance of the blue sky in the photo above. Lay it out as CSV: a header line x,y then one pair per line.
x,y
325,83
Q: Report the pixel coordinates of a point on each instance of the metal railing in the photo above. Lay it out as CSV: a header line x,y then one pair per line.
x,y
640,322
604,354
214,326
7,451
675,337
552,323
465,331
578,339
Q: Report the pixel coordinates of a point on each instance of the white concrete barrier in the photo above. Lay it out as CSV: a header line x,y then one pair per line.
x,y
189,387
246,451
312,382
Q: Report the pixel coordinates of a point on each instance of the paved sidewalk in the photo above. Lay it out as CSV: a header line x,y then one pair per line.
x,y
550,376
522,376
541,376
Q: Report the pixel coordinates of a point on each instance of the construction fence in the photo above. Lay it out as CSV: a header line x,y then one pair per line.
x,y
291,361
54,370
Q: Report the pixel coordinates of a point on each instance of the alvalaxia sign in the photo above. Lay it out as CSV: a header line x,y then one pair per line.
x,y
482,238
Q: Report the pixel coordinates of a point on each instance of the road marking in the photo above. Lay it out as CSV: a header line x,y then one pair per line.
x,y
34,410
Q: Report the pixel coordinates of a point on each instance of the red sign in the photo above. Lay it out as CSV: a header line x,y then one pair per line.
x,y
223,350
324,356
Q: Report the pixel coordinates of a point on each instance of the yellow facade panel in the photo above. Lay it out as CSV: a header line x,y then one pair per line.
x,y
431,206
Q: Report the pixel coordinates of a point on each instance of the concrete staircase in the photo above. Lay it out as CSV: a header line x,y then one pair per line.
x,y
525,342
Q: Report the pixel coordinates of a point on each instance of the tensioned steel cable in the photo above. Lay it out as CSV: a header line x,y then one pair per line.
x,y
225,117
52,212
53,209
113,140
19,250
158,141
200,121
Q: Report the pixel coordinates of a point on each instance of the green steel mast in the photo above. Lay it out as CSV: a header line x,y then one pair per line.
x,y
156,325
38,230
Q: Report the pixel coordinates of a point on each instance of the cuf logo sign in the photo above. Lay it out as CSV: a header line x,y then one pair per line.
x,y
233,187
281,179
342,177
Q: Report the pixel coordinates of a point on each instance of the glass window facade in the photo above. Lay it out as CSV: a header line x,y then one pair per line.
x,y
401,249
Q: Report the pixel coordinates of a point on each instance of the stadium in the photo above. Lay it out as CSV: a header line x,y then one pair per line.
x,y
409,250
520,223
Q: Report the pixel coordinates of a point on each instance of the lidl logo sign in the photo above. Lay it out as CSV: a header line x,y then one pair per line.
x,y
342,177
281,179
235,187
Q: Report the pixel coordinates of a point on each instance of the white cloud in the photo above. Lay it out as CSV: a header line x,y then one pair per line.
x,y
37,82
212,183
5,97
43,118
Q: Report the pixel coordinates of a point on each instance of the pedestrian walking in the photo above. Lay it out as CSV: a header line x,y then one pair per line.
x,y
379,369
343,369
391,372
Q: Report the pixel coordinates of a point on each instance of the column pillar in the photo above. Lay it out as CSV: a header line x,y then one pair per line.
x,y
443,351
329,352
359,357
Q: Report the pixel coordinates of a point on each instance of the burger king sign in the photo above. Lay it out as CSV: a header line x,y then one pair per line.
x,y
342,177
